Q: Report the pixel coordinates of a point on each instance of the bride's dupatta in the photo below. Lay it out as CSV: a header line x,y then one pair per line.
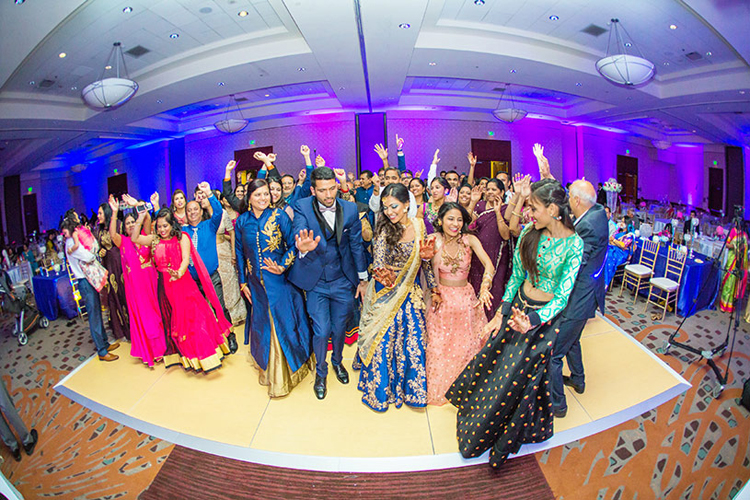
x,y
379,308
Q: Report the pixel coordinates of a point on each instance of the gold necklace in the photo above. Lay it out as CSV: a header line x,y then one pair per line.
x,y
454,261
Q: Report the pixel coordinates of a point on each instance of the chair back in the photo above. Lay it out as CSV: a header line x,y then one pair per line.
x,y
675,264
649,251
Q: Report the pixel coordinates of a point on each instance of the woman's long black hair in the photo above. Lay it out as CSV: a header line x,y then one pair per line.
x,y
393,232
447,207
166,213
547,192
107,216
425,195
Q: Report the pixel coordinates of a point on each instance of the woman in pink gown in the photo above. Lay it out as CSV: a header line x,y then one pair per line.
x,y
195,331
139,276
455,329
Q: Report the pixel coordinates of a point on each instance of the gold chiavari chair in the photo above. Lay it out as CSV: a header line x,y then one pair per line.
x,y
637,274
665,290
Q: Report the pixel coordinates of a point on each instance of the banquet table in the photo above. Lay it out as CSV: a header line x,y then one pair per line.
x,y
699,284
659,224
53,294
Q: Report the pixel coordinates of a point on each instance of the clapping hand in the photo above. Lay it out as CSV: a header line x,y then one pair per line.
x,y
427,249
519,321
385,276
381,151
271,266
306,241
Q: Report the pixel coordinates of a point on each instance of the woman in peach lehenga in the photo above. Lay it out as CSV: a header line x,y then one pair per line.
x,y
455,329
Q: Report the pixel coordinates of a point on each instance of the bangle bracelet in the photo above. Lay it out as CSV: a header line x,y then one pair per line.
x,y
516,214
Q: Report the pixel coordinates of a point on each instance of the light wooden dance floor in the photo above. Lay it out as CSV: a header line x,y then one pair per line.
x,y
228,413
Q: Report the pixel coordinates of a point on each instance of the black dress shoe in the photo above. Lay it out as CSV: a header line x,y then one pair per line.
x,y
578,388
30,447
320,387
560,412
232,342
341,373
17,454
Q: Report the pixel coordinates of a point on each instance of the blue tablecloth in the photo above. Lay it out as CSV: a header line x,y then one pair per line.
x,y
54,293
700,281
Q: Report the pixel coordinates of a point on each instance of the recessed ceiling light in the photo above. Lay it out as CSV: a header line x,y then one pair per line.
x,y
433,64
513,71
478,2
62,55
693,131
579,84
673,26
342,88
709,53
107,67
302,68
268,95
554,18
159,101
741,91
174,35
73,88
32,82
242,13
404,26
628,44
127,10
666,64
220,84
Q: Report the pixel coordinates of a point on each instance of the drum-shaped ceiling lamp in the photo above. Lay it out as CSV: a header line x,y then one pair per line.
x,y
231,125
620,67
109,93
509,114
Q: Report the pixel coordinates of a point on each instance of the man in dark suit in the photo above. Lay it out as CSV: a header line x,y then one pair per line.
x,y
592,226
330,267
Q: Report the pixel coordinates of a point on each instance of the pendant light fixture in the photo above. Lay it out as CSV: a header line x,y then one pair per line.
x,y
231,125
620,67
509,114
109,93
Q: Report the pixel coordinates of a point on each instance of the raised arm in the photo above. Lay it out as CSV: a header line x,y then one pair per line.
x,y
138,238
400,154
227,189
432,173
383,154
541,160
472,165
116,238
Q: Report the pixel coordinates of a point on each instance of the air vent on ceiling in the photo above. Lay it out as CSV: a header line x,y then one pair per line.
x,y
137,51
241,99
45,84
499,89
594,30
693,56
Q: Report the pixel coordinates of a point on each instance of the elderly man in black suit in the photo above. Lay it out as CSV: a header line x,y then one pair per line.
x,y
592,226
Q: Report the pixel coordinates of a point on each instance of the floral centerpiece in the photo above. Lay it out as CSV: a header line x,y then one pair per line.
x,y
612,188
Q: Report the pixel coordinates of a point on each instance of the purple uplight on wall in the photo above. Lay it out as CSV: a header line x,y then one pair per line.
x,y
370,129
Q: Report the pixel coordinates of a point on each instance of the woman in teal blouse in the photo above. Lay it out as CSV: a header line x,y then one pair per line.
x,y
502,396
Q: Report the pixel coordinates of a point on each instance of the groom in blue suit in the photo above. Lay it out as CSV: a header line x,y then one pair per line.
x,y
331,267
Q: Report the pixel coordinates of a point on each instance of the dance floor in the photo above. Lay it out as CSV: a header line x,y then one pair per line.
x,y
228,413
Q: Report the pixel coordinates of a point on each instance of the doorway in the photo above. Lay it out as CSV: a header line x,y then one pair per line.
x,y
30,213
117,185
247,166
715,190
627,176
493,157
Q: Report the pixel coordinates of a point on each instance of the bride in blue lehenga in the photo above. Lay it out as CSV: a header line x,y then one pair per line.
x,y
391,351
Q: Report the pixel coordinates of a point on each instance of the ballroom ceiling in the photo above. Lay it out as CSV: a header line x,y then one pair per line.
x,y
287,57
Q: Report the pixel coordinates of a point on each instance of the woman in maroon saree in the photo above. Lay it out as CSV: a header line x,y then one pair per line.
x,y
493,232
195,331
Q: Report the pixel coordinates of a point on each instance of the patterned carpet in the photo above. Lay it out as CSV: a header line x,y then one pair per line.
x,y
80,455
695,447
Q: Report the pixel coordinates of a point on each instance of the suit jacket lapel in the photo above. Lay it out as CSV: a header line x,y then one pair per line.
x,y
324,227
339,221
